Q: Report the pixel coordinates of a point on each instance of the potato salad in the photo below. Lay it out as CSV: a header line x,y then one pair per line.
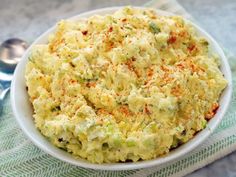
x,y
126,86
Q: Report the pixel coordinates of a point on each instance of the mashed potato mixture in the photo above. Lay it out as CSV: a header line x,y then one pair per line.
x,y
123,87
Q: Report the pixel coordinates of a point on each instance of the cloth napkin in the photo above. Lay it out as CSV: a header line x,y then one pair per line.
x,y
19,157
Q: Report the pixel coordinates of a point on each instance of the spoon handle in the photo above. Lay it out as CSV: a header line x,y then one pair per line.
x,y
4,88
2,96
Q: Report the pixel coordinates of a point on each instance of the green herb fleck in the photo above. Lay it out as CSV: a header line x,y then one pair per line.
x,y
204,123
30,58
128,27
131,143
154,28
205,43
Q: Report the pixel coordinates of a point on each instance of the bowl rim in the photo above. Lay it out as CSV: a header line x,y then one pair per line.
x,y
187,147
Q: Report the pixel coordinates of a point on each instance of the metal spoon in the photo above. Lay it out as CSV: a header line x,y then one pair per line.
x,y
11,52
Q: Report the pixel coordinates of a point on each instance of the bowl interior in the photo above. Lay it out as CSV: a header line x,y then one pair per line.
x,y
23,110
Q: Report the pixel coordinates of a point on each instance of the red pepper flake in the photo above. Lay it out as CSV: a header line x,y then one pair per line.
x,y
171,40
209,116
183,34
91,84
124,20
124,109
129,63
131,67
150,72
102,111
164,68
110,29
215,107
72,81
84,32
191,47
110,45
146,110
213,111
180,66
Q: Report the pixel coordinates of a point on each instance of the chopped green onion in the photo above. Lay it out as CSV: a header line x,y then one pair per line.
x,y
154,28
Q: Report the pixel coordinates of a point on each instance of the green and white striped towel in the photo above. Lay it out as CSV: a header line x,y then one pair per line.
x,y
19,157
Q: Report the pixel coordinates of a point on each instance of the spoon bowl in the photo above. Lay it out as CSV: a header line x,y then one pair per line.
x,y
11,52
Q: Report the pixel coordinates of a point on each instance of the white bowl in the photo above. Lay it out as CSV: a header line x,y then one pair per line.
x,y
23,111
